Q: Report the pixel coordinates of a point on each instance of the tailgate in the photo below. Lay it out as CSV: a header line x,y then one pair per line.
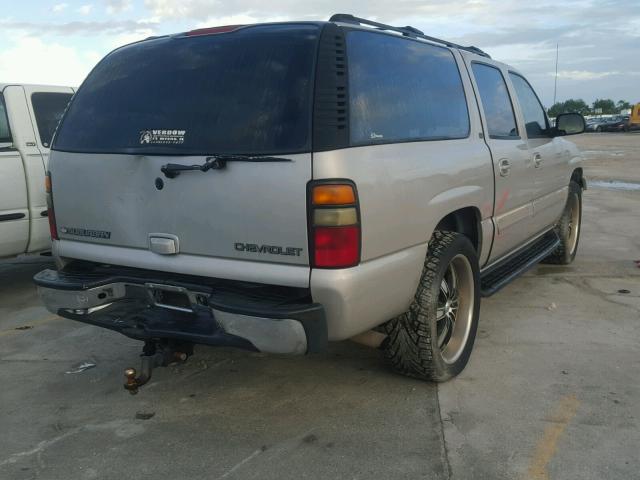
x,y
248,211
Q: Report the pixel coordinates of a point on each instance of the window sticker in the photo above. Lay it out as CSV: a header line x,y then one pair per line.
x,y
162,137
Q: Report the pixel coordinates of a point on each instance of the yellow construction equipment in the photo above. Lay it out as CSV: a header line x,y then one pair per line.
x,y
634,119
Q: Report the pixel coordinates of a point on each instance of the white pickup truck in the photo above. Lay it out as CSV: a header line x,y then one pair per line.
x,y
29,115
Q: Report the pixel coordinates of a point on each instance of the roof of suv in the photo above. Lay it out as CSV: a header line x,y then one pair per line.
x,y
343,19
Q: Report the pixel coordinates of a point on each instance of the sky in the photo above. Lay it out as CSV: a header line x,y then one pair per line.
x,y
58,42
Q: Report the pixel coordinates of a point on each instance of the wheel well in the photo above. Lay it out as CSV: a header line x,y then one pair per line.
x,y
578,177
465,221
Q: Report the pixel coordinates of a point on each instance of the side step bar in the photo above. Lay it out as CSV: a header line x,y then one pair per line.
x,y
499,275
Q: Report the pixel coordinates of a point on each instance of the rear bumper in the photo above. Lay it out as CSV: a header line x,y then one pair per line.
x,y
142,305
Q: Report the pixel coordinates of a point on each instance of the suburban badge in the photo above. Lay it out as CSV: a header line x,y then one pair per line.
x,y
84,232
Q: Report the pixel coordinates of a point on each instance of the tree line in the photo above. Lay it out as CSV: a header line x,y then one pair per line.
x,y
607,105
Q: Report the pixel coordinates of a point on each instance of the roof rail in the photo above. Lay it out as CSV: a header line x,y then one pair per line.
x,y
406,31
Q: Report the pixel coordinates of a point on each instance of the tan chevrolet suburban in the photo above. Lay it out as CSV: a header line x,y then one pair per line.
x,y
277,186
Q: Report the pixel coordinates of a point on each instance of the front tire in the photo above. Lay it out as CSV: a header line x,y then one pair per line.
x,y
434,338
568,228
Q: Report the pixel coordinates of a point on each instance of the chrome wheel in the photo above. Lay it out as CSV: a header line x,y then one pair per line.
x,y
574,222
454,311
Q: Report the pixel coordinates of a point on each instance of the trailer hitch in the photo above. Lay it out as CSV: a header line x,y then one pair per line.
x,y
155,354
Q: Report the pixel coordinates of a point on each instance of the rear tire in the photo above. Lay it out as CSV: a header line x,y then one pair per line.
x,y
568,228
599,129
434,338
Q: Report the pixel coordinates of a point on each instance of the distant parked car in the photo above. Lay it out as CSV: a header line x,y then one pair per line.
x,y
595,124
616,124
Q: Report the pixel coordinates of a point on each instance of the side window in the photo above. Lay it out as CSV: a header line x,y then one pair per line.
x,y
501,121
403,90
535,119
5,133
48,109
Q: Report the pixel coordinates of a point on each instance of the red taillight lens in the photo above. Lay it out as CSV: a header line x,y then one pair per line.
x,y
336,247
53,229
334,224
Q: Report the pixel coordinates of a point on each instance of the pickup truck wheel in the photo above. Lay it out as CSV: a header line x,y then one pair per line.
x,y
433,340
568,228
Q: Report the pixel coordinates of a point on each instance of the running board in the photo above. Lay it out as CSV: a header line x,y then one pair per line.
x,y
507,270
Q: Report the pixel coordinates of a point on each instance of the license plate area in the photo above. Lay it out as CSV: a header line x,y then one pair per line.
x,y
170,297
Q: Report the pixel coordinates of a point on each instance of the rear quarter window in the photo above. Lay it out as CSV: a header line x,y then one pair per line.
x,y
403,90
48,108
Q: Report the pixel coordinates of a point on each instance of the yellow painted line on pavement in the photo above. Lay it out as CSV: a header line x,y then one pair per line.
x,y
35,323
548,444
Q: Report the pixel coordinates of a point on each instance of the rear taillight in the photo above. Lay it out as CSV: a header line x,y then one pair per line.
x,y
53,229
334,225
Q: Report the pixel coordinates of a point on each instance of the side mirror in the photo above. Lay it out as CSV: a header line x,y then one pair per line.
x,y
569,124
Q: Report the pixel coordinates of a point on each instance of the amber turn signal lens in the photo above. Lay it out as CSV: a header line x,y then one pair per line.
x,y
47,184
333,195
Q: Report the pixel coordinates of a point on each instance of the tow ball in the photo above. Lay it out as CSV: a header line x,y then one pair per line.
x,y
155,354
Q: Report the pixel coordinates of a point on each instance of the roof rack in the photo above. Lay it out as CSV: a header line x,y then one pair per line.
x,y
406,31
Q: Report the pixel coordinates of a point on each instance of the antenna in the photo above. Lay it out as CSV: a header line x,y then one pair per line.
x,y
555,82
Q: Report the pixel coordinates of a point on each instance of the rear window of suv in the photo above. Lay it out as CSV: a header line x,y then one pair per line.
x,y
403,90
243,92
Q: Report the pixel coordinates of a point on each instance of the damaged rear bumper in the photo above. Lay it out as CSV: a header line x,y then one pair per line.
x,y
147,305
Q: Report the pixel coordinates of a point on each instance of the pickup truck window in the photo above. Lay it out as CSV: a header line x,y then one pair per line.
x,y
535,119
5,134
498,110
403,90
243,92
48,108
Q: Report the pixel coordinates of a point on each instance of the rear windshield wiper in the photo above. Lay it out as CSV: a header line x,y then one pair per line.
x,y
215,162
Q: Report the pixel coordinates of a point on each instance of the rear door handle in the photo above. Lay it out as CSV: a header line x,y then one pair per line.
x,y
504,167
537,160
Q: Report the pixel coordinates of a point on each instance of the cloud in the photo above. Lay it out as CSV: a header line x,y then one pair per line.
x,y
59,7
587,75
597,38
49,63
117,6
583,74
126,38
243,19
105,27
294,9
85,9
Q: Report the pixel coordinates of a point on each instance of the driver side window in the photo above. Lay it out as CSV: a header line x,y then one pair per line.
x,y
535,119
